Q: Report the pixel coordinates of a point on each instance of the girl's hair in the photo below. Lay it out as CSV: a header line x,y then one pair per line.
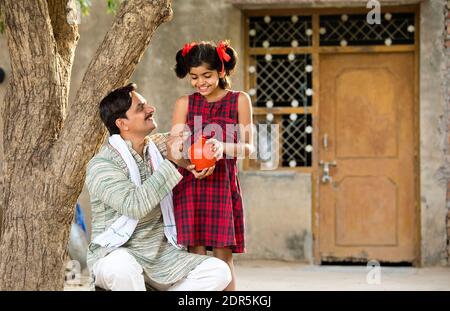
x,y
206,53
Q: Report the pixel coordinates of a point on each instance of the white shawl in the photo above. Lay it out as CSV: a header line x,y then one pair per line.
x,y
122,229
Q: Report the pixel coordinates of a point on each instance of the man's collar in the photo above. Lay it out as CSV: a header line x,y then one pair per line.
x,y
130,145
134,152
146,141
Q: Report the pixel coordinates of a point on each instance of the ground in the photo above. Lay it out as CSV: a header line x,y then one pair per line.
x,y
262,275
282,276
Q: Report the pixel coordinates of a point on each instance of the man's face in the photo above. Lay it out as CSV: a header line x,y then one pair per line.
x,y
139,116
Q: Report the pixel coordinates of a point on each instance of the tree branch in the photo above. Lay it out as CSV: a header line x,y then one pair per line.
x,y
32,92
65,34
66,37
112,65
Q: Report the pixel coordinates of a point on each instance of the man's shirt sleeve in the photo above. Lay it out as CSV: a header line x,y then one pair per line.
x,y
160,140
108,183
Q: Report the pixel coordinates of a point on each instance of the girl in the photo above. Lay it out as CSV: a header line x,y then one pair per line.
x,y
208,210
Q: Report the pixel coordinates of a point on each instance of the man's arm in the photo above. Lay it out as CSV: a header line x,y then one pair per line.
x,y
108,183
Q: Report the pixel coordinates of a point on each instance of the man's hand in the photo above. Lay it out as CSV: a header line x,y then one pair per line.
x,y
175,149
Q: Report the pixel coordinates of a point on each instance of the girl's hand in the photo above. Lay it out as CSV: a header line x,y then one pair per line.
x,y
200,175
216,147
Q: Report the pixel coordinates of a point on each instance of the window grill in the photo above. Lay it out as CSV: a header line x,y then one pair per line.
x,y
280,31
284,81
281,73
296,140
354,30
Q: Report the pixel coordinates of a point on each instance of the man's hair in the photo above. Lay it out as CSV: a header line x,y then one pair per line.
x,y
115,106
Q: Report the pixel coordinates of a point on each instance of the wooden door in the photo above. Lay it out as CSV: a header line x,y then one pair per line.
x,y
368,211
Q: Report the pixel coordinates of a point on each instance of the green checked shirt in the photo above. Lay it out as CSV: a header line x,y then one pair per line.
x,y
113,194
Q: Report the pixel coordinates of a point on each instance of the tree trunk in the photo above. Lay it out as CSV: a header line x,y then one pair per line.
x,y
46,152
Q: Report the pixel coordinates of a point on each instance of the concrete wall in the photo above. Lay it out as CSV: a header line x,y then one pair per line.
x,y
270,4
279,217
434,169
447,80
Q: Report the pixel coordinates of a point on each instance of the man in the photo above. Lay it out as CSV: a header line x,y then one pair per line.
x,y
128,188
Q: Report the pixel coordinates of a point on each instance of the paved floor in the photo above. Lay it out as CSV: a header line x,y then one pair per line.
x,y
284,276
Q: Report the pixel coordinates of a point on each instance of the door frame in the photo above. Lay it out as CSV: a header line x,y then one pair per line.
x,y
372,165
316,88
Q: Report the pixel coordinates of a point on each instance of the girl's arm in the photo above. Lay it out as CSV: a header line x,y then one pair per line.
x,y
179,116
245,146
178,126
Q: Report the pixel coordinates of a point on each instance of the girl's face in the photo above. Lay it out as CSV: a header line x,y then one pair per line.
x,y
204,79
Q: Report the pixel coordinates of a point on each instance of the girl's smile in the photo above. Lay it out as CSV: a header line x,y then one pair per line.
x,y
205,80
203,89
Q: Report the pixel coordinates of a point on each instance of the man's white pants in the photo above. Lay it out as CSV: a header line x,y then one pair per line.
x,y
120,271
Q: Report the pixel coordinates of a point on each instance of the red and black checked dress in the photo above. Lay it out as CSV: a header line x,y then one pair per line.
x,y
209,211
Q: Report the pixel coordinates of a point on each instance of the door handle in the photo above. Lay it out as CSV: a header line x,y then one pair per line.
x,y
326,178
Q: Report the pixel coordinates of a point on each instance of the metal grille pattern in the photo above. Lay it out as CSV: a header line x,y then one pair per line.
x,y
297,140
280,31
284,82
284,79
355,30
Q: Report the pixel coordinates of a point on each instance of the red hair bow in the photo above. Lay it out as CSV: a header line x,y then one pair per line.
x,y
222,52
187,47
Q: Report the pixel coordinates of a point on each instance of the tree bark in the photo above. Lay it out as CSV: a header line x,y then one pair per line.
x,y
46,152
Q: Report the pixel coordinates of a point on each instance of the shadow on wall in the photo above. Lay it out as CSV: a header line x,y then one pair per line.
x,y
298,245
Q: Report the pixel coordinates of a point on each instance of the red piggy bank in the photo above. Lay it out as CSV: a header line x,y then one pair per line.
x,y
200,156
